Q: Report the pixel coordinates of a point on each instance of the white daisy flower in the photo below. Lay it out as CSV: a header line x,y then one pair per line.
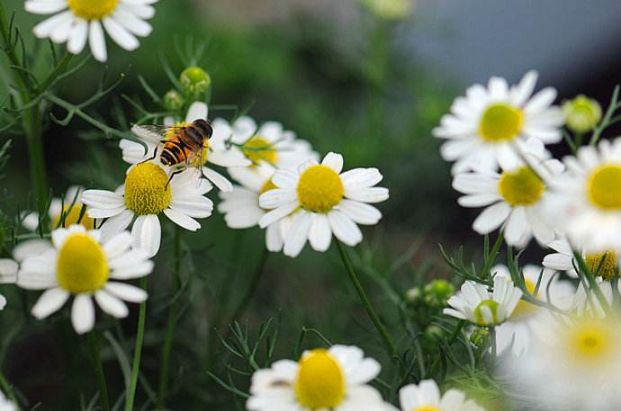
x,y
515,333
323,201
241,206
426,397
216,152
571,365
76,21
589,196
334,379
514,199
475,303
67,209
6,404
487,123
563,260
78,263
147,193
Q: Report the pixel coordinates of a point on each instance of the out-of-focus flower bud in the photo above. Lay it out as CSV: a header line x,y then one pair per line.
x,y
390,9
480,337
194,81
582,114
173,101
438,291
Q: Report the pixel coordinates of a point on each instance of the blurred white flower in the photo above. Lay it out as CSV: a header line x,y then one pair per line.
x,y
148,192
76,21
78,263
68,210
475,303
217,151
426,397
486,125
334,379
604,263
6,404
571,364
514,199
323,201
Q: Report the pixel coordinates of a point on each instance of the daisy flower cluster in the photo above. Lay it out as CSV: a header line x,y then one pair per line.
x,y
551,329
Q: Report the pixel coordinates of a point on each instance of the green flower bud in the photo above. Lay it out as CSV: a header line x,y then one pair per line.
x,y
390,9
480,337
413,294
173,101
438,291
434,333
194,81
582,114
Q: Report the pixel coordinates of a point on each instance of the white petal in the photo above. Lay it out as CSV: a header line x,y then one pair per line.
x,y
49,302
273,238
491,218
361,213
97,41
47,26
134,24
368,195
83,313
120,35
147,234
126,292
102,199
344,228
45,7
198,110
298,233
218,179
182,220
277,214
111,304
30,248
8,271
277,197
78,36
320,234
118,244
116,224
334,161
195,206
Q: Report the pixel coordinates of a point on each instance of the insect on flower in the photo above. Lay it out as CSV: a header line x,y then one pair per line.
x,y
184,145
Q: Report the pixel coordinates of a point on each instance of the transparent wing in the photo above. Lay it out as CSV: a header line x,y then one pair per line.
x,y
159,129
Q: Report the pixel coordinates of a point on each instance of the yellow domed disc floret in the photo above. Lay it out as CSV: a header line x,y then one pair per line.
x,y
524,308
320,188
603,264
267,186
320,382
147,190
521,187
604,187
427,408
81,265
258,149
92,9
590,340
500,122
71,213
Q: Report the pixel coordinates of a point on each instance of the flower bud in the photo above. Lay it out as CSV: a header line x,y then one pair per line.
x,y
173,101
480,337
582,114
413,294
194,81
390,9
438,291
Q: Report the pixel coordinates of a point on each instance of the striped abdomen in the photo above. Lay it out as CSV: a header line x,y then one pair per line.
x,y
185,142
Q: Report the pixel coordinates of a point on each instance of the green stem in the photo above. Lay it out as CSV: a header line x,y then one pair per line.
x,y
592,282
93,342
142,315
387,339
7,389
252,288
170,326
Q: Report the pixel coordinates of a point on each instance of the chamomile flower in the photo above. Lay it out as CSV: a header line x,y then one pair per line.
x,y
589,196
602,263
475,303
8,275
426,396
334,379
147,193
76,21
217,152
572,364
514,199
77,263
486,125
6,404
323,201
67,210
542,284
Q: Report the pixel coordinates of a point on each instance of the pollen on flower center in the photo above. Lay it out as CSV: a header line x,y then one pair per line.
x,y
486,312
146,189
500,122
427,408
604,187
71,214
590,340
320,188
521,187
267,186
524,308
320,382
603,264
92,9
81,265
258,149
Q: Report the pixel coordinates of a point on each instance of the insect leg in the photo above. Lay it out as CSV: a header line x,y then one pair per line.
x,y
174,173
150,158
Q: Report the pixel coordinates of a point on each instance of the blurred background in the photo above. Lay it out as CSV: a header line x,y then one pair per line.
x,y
366,78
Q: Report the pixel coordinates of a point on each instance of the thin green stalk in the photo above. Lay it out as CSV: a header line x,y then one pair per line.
x,y
170,326
142,315
7,389
592,282
252,288
364,299
94,346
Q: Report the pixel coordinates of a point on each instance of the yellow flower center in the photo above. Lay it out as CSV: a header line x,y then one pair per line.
x,y
485,310
606,262
524,308
427,408
604,187
320,188
92,9
71,214
320,382
590,340
81,265
521,187
146,189
500,122
259,149
267,186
